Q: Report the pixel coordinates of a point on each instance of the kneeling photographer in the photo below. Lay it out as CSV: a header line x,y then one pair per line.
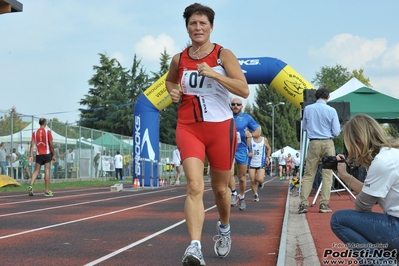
x,y
368,145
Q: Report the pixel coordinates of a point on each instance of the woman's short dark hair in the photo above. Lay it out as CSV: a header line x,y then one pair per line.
x,y
197,8
322,93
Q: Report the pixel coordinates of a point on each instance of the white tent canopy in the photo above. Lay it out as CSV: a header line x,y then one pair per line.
x,y
352,85
25,135
88,144
287,149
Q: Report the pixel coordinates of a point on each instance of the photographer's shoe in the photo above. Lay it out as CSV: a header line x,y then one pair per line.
x,y
302,209
324,208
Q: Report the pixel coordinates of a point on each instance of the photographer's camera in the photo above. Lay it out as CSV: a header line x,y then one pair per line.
x,y
330,162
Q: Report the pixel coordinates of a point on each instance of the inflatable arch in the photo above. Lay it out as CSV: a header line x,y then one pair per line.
x,y
257,70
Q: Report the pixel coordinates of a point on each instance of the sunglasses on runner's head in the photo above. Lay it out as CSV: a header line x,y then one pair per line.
x,y
236,104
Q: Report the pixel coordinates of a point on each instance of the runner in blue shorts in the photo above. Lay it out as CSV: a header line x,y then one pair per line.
x,y
245,124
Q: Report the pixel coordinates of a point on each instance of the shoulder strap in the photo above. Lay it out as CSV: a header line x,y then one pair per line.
x,y
219,61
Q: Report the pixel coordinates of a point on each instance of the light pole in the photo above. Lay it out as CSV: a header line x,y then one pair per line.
x,y
273,106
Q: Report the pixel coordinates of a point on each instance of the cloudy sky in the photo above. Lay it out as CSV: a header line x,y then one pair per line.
x,y
47,52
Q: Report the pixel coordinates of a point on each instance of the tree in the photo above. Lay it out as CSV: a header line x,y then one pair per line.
x,y
103,82
334,77
359,74
164,66
393,130
167,116
139,81
111,100
11,123
63,129
285,117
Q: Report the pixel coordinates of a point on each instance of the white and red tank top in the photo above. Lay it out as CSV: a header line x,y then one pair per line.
x,y
203,98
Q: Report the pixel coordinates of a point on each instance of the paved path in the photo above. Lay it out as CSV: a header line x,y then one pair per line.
x,y
297,246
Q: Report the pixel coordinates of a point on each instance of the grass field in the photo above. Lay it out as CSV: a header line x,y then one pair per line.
x,y
63,183
73,182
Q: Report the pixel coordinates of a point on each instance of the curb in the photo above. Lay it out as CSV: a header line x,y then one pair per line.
x,y
296,245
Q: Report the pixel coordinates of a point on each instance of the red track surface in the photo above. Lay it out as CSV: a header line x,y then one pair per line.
x,y
145,227
319,224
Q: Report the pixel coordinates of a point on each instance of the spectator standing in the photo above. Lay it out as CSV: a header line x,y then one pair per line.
x,y
15,163
178,165
3,160
118,162
96,162
57,160
321,123
24,162
70,158
111,167
297,163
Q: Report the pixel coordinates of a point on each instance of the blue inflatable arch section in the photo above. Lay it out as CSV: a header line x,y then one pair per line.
x,y
257,70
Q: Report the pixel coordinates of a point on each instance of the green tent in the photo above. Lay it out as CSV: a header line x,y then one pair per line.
x,y
111,142
383,108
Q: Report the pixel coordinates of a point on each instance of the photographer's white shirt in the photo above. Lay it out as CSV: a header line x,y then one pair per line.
x,y
382,180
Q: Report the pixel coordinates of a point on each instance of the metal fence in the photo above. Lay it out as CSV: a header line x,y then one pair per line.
x,y
77,147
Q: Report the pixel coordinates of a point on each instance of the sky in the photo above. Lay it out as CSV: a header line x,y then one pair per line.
x,y
47,52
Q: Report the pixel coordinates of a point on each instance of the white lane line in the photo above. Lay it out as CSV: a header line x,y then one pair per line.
x,y
62,197
116,252
89,218
58,192
80,203
53,198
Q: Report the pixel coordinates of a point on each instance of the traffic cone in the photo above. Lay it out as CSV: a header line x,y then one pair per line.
x,y
136,183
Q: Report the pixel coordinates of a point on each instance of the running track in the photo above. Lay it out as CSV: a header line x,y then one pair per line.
x,y
93,226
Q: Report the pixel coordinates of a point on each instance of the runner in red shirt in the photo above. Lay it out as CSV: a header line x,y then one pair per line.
x,y
201,79
43,140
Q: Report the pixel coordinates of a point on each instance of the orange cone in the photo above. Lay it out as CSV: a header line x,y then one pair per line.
x,y
136,183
